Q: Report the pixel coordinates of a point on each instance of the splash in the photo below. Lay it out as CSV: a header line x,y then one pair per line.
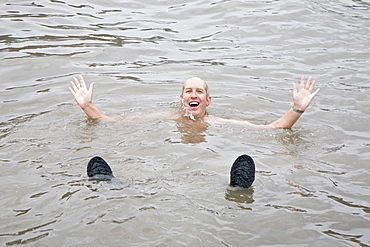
x,y
186,110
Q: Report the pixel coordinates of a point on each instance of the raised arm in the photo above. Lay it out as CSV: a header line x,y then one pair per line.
x,y
83,97
302,98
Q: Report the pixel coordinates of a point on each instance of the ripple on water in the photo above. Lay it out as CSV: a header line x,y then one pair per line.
x,y
311,182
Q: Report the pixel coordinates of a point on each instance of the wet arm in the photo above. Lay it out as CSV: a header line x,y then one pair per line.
x,y
302,98
83,97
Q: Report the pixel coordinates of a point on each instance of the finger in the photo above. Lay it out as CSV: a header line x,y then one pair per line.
x,y
312,86
77,83
308,84
73,86
92,85
294,88
315,93
82,81
72,92
301,84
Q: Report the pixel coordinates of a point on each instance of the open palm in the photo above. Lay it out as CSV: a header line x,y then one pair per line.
x,y
303,96
83,96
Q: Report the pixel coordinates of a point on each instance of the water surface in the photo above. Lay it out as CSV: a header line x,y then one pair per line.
x,y
312,183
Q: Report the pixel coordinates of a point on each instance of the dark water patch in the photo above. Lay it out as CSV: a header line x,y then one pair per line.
x,y
366,209
355,238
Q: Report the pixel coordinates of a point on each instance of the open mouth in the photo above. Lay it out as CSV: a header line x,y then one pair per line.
x,y
193,104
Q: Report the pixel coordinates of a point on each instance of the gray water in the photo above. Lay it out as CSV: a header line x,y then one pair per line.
x,y
312,183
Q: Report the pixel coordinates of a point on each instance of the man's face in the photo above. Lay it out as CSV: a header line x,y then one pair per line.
x,y
194,97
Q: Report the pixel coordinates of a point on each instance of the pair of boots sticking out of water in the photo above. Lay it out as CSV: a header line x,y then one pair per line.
x,y
242,172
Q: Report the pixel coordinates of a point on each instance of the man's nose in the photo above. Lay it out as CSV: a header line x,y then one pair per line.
x,y
193,94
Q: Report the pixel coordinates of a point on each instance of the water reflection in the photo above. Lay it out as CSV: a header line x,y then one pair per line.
x,y
192,131
354,238
239,195
293,141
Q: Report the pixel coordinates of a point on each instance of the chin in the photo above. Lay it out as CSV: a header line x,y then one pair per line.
x,y
196,114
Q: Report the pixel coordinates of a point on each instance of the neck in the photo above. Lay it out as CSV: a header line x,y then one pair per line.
x,y
187,115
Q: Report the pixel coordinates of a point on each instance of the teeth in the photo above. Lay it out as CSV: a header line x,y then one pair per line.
x,y
193,104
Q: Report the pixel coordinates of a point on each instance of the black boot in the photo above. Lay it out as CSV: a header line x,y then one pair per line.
x,y
99,169
242,172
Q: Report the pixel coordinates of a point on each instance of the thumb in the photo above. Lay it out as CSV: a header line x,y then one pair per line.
x,y
294,88
92,85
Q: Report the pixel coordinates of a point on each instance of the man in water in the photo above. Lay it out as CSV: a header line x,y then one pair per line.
x,y
195,98
194,101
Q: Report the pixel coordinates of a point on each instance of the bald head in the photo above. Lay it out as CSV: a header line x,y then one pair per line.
x,y
198,81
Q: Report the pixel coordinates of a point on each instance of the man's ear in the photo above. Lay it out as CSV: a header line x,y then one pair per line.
x,y
209,101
